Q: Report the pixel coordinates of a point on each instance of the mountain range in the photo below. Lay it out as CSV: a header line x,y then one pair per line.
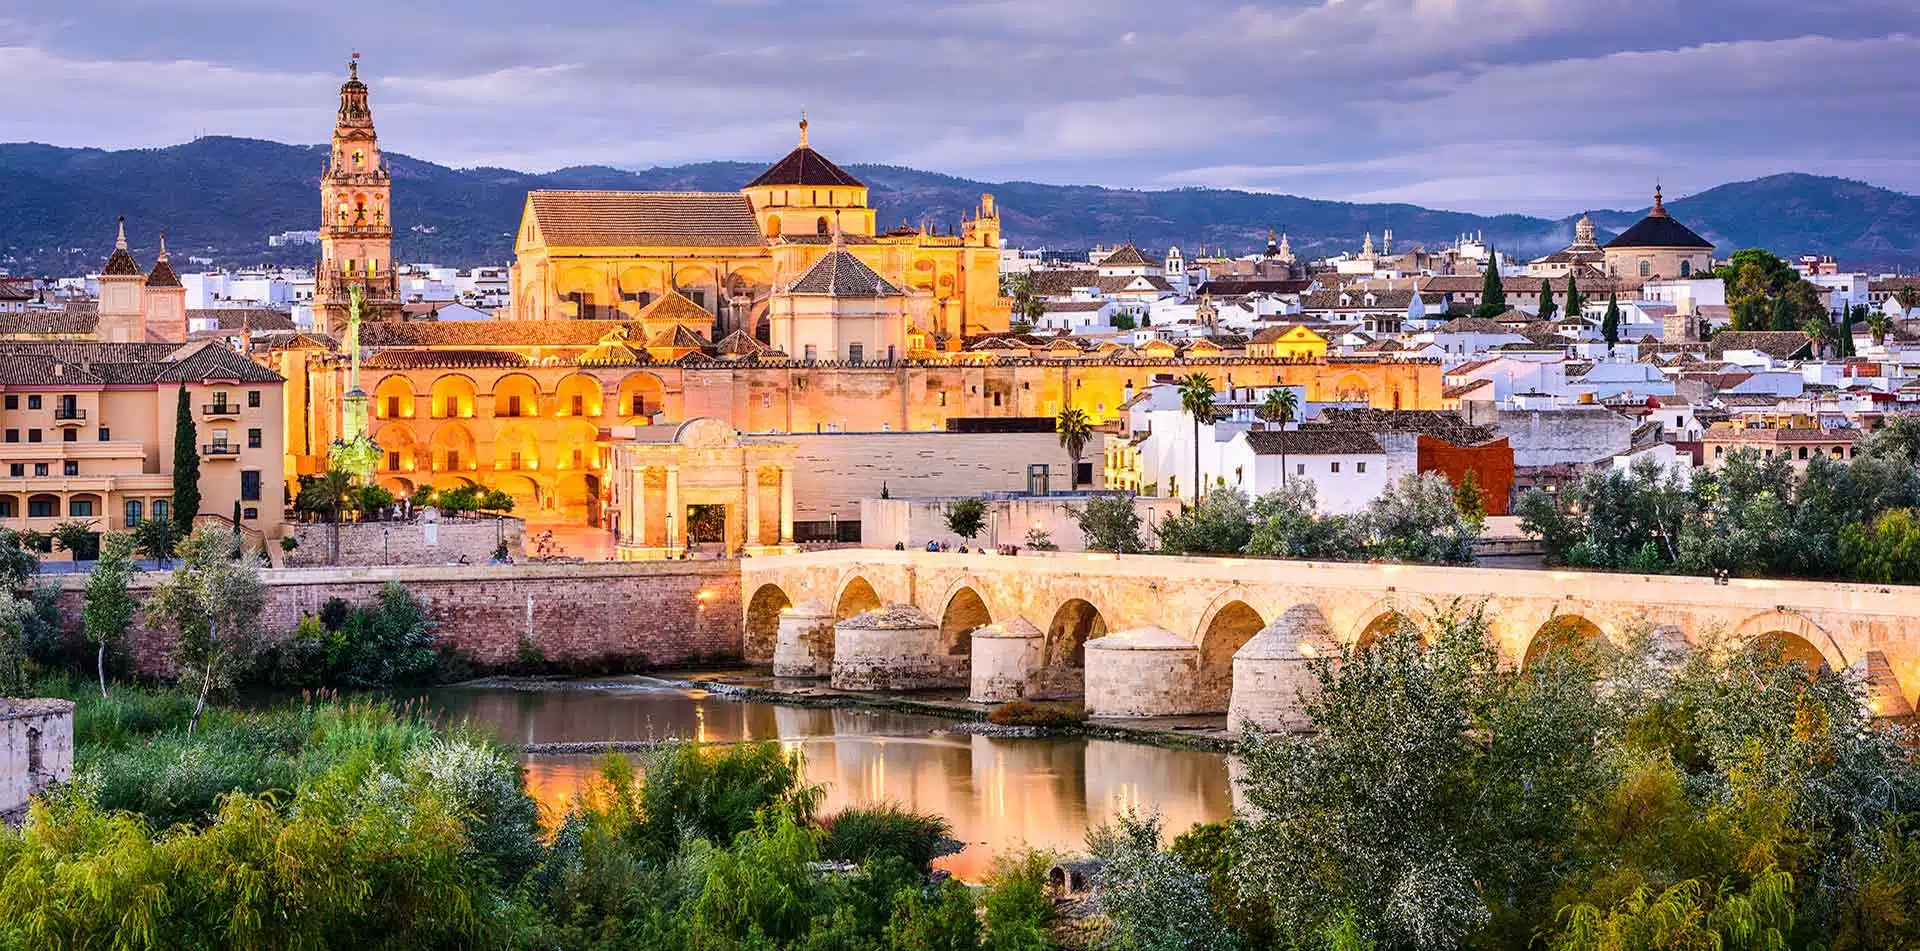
x,y
219,198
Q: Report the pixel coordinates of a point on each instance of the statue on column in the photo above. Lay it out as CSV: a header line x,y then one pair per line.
x,y
355,452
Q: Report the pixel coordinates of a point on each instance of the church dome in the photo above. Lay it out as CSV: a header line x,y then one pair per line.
x,y
804,166
1659,230
1584,232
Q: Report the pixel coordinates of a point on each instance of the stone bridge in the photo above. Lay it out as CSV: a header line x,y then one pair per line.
x,y
1146,635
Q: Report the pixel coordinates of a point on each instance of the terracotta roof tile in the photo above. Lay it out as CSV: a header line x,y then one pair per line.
x,y
840,274
1312,441
804,166
645,219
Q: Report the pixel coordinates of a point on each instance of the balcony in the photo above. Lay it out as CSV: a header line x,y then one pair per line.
x,y
220,410
221,450
69,416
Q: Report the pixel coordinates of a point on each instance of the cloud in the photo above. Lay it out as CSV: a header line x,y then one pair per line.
x,y
1533,105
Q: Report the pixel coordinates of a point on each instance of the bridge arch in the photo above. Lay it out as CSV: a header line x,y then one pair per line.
x,y
1562,633
856,596
965,613
1381,619
762,625
1795,636
1229,629
1063,655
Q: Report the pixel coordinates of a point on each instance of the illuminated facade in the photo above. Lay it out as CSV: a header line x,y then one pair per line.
x,y
356,223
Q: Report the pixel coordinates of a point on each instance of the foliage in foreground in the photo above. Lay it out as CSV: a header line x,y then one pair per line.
x,y
1416,519
360,826
1604,798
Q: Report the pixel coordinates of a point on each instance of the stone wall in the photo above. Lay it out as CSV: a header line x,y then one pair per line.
x,y
1577,436
419,542
915,521
659,612
835,472
36,749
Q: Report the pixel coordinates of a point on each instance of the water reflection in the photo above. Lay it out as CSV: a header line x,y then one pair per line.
x,y
997,793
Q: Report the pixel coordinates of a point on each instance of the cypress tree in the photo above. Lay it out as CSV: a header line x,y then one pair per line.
x,y
1493,294
186,464
1782,314
1574,301
1610,326
1547,307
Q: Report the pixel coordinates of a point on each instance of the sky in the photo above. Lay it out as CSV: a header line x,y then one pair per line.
x,y
1533,106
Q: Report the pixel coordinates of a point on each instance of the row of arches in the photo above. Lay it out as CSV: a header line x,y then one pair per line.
x,y
1228,628
513,395
517,447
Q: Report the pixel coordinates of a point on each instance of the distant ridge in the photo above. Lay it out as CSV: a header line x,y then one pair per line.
x,y
219,198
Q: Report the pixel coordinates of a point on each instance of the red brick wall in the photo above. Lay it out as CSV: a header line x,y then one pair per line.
x,y
1491,465
666,612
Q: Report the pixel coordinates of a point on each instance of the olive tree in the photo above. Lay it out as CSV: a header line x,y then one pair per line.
x,y
211,603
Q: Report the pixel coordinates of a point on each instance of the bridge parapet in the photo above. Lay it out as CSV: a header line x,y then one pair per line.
x,y
1218,604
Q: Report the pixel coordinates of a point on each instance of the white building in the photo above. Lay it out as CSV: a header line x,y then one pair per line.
x,y
1348,469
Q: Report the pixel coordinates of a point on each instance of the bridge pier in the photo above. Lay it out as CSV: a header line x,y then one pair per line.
x,y
803,645
1145,672
1006,656
895,648
1273,674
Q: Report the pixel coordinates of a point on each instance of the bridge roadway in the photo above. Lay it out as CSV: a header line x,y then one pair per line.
x,y
1191,615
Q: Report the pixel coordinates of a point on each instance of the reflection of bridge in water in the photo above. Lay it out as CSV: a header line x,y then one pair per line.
x,y
1150,635
997,792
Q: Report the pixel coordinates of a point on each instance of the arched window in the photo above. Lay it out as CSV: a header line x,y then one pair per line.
x,y
1686,268
1646,268
822,226
773,226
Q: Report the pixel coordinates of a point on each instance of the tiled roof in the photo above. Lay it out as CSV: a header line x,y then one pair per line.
x,y
1062,282
1659,230
677,337
673,306
1473,325
1076,306
1125,256
804,166
1455,392
15,289
840,274
32,363
646,219
489,333
1781,344
1441,424
1312,441
258,319
1119,284
120,264
1235,286
48,323
1275,334
416,359
740,344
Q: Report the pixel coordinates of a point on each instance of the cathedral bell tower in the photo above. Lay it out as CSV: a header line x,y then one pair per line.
x,y
356,226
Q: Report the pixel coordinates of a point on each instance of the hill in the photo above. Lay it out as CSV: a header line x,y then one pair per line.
x,y
219,198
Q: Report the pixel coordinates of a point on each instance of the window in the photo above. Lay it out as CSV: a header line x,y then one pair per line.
x,y
39,468
1686,268
1300,469
42,506
33,435
13,435
513,406
162,508
1719,451
890,353
6,507
253,439
393,460
70,435
33,402
105,434
943,398
453,459
17,469
80,508
253,399
1803,452
996,399
220,437
1359,467
1333,467
812,353
134,511
579,404
249,514
250,485
70,467
1646,268
856,353
13,402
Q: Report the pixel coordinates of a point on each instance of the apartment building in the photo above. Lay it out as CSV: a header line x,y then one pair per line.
x,y
87,433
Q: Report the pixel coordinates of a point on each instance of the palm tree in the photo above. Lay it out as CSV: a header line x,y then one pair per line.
x,y
1822,331
1196,399
324,495
1878,326
1278,409
1909,298
1075,431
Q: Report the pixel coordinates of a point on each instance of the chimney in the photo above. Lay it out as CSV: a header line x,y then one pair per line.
x,y
57,368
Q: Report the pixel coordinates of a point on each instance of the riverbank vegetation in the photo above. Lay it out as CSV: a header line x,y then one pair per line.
x,y
1601,799
1748,516
361,825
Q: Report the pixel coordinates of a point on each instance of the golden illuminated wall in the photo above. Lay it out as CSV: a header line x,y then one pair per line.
x,y
537,432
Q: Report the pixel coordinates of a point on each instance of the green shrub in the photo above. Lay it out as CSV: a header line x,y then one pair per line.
x,y
1029,713
1019,914
864,834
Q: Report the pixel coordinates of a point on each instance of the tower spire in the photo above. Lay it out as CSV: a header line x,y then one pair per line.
x,y
163,243
120,243
1659,202
803,129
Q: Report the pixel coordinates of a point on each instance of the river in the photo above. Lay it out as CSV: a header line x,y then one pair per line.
x,y
998,793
